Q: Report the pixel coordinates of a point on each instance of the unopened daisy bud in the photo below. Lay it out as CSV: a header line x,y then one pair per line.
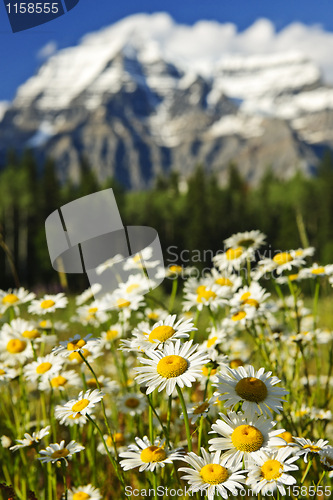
x,y
326,458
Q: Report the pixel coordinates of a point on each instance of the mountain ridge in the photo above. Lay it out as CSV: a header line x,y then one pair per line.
x,y
136,109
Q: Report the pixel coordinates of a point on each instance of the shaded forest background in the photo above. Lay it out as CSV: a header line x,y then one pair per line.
x,y
292,213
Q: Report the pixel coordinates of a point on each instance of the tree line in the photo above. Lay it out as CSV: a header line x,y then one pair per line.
x,y
292,213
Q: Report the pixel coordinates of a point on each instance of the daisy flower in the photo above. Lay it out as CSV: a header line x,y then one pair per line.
x,y
210,474
13,349
227,281
136,284
114,333
108,264
14,298
141,260
162,332
176,364
44,367
132,404
7,373
147,456
199,295
48,304
307,446
76,344
91,315
84,493
199,409
255,389
249,239
71,421
105,383
22,328
282,261
233,258
155,314
56,452
60,380
88,294
122,302
316,270
29,440
250,296
84,405
326,458
268,471
119,440
243,436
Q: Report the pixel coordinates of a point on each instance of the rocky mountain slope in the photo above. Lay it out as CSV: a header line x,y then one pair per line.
x,y
136,108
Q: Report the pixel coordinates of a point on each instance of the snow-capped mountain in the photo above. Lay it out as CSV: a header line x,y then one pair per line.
x,y
146,95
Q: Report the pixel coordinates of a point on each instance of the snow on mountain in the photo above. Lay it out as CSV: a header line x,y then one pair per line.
x,y
146,94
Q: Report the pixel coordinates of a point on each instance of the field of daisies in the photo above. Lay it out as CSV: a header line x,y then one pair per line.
x,y
219,389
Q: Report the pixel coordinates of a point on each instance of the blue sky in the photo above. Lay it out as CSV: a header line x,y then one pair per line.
x,y
18,52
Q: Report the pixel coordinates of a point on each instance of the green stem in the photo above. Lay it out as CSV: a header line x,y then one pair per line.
x,y
173,294
315,303
186,421
306,471
63,468
151,425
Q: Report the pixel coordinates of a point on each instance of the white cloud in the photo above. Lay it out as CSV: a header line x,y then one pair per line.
x,y
47,51
205,43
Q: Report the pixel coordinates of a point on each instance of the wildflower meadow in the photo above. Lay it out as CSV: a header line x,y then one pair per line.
x,y
222,388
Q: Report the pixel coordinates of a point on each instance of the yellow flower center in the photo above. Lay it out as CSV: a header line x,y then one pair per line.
x,y
137,258
118,438
111,334
76,344
43,367
205,371
132,403
152,315
75,417
245,298
211,342
31,334
153,454
251,389
172,366
286,436
282,258
92,383
58,381
46,304
223,282
15,346
2,372
271,470
80,405
203,293
11,298
130,288
44,323
311,447
161,333
176,269
234,253
60,453
81,495
201,408
247,438
235,363
214,474
318,270
293,277
76,356
123,303
238,316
